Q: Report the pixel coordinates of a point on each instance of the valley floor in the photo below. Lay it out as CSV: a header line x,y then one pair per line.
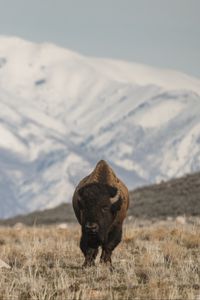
x,y
157,261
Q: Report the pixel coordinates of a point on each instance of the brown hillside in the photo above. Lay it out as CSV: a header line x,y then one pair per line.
x,y
176,197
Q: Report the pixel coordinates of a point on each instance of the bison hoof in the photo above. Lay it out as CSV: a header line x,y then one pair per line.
x,y
107,263
88,264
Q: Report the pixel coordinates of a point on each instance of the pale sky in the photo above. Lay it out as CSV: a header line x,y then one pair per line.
x,y
161,33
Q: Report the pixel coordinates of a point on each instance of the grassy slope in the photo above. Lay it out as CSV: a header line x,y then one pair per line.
x,y
59,214
153,262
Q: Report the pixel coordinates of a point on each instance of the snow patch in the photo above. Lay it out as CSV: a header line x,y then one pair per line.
x,y
159,114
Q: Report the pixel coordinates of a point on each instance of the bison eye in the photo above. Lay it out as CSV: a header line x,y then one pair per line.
x,y
105,208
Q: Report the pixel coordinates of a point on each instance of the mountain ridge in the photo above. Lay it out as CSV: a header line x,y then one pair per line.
x,y
61,112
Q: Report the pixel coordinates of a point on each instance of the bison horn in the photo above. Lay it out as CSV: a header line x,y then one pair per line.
x,y
115,198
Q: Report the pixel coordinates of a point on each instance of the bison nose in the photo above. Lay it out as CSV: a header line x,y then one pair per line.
x,y
92,227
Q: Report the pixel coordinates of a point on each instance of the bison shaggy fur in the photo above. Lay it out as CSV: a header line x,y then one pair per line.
x,y
100,203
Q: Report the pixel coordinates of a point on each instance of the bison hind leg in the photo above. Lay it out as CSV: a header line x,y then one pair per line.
x,y
114,238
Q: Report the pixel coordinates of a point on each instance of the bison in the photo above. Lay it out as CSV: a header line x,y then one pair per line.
x,y
100,203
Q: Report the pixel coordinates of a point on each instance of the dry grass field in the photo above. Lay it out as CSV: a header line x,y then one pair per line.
x,y
158,261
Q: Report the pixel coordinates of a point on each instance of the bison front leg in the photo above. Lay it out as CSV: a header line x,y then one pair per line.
x,y
106,256
89,252
114,238
90,257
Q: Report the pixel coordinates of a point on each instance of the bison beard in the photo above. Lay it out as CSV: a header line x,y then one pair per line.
x,y
97,216
100,209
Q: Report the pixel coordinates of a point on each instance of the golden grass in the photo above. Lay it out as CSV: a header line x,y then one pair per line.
x,y
154,262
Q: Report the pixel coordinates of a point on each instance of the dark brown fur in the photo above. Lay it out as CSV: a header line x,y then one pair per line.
x,y
92,205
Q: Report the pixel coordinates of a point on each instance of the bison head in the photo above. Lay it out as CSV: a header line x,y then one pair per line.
x,y
99,204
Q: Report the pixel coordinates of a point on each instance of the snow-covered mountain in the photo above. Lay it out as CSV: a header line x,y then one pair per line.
x,y
60,112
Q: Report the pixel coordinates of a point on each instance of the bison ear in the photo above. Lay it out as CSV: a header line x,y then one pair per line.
x,y
116,205
115,199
